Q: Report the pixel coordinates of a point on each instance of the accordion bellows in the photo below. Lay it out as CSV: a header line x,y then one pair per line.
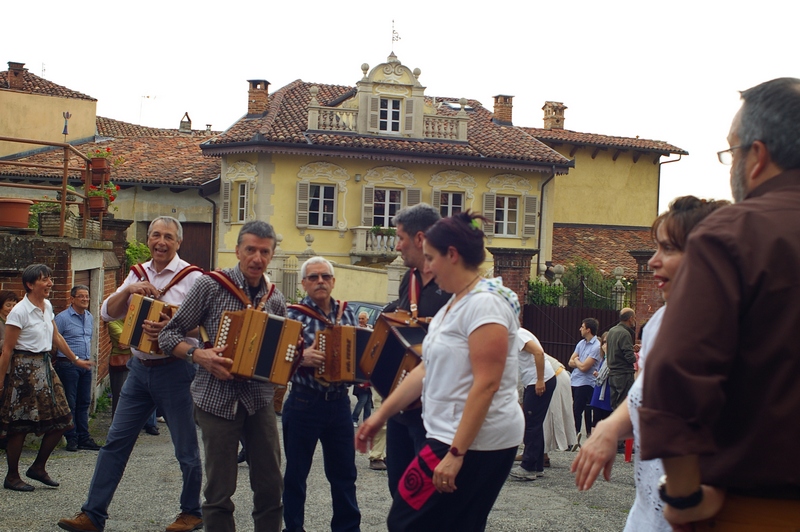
x,y
263,346
394,349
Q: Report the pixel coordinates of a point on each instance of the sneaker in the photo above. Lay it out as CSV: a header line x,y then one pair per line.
x,y
539,474
72,446
161,419
522,474
89,445
153,431
355,424
377,465
79,523
185,523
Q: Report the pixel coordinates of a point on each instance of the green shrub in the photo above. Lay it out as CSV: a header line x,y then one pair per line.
x,y
136,252
544,294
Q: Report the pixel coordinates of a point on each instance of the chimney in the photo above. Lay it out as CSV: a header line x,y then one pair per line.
x,y
257,96
554,115
502,109
186,123
15,76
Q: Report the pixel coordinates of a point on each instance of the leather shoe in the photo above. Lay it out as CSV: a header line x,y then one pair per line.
x,y
44,478
72,446
377,465
153,431
89,445
17,485
185,523
79,523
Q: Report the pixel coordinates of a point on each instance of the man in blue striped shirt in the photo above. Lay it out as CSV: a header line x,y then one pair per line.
x,y
76,324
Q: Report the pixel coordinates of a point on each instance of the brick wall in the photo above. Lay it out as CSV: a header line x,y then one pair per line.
x,y
514,266
648,296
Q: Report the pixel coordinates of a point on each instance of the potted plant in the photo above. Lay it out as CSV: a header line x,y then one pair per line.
x,y
101,161
99,197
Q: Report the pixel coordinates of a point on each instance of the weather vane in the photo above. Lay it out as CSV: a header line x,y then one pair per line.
x,y
395,35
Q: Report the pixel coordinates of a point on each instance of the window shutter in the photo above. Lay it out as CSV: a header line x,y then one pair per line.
x,y
409,124
489,199
374,112
529,217
225,209
245,190
301,216
436,200
413,196
367,208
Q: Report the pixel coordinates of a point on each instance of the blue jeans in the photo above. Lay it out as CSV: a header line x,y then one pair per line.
x,y
308,418
164,386
405,437
78,389
364,402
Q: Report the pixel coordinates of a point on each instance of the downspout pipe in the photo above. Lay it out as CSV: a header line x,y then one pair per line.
x,y
541,218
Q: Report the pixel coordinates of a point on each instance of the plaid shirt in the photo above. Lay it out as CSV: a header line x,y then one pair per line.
x,y
204,305
303,375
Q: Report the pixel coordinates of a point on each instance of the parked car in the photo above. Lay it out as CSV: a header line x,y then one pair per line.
x,y
372,309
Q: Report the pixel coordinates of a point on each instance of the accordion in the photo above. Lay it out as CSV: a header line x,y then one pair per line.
x,y
343,346
394,349
143,308
263,347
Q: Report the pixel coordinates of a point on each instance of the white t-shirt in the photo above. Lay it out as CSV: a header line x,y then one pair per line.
x,y
448,372
527,365
36,327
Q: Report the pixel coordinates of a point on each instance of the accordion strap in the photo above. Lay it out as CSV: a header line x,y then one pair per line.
x,y
414,292
141,273
228,284
308,311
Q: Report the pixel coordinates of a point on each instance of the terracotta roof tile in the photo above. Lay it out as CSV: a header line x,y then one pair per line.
x,y
286,120
36,85
592,139
152,156
605,247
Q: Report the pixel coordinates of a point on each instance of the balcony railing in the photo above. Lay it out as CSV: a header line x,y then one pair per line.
x,y
367,244
86,175
346,120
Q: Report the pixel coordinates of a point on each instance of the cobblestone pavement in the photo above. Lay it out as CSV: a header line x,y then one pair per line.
x,y
147,498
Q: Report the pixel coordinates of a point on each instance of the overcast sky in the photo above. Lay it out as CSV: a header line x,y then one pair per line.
x,y
661,70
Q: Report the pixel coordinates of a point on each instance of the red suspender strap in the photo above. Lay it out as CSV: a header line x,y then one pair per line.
x,y
228,284
342,306
413,293
180,275
140,272
308,311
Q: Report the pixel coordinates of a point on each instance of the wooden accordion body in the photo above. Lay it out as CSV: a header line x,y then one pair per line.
x,y
263,346
343,346
394,349
143,308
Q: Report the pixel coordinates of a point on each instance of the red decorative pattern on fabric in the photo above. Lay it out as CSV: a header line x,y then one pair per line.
x,y
416,485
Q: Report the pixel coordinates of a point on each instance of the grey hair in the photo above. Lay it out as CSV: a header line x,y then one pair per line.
x,y
315,260
77,287
416,218
771,114
167,220
259,229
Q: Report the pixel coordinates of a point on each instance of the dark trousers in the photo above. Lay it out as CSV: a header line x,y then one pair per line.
x,y
117,377
417,506
405,437
364,402
619,384
581,397
309,418
78,389
535,409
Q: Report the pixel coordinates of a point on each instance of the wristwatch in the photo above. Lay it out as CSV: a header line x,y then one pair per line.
x,y
454,452
190,356
679,503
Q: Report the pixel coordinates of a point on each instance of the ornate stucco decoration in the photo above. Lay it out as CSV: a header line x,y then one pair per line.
x,y
455,179
510,183
384,175
333,173
243,171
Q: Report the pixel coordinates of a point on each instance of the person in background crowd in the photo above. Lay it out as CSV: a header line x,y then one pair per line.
x,y
117,362
32,397
669,231
584,362
601,397
469,396
621,356
559,423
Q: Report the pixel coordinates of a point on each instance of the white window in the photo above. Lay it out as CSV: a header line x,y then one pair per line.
x,y
386,203
389,115
506,211
322,205
451,203
241,202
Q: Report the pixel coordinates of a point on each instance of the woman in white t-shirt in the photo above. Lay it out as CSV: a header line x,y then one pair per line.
x,y
670,232
468,384
31,395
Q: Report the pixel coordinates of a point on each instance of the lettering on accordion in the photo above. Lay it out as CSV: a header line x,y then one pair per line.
x,y
343,346
394,350
263,346
143,308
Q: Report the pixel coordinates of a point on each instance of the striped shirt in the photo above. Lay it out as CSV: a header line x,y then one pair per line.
x,y
304,375
204,305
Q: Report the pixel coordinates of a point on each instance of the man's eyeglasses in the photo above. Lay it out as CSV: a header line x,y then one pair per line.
x,y
726,156
314,277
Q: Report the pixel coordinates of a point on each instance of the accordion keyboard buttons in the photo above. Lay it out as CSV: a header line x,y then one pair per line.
x,y
322,347
402,376
291,353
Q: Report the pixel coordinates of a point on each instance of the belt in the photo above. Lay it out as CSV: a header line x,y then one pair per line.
x,y
328,395
31,353
155,362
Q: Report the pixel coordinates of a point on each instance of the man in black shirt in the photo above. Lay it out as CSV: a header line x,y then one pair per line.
x,y
405,433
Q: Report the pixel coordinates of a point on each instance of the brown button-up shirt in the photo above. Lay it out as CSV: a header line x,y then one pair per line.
x,y
723,377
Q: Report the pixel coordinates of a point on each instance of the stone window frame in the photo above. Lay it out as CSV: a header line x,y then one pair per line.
x,y
527,210
237,190
387,177
321,173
